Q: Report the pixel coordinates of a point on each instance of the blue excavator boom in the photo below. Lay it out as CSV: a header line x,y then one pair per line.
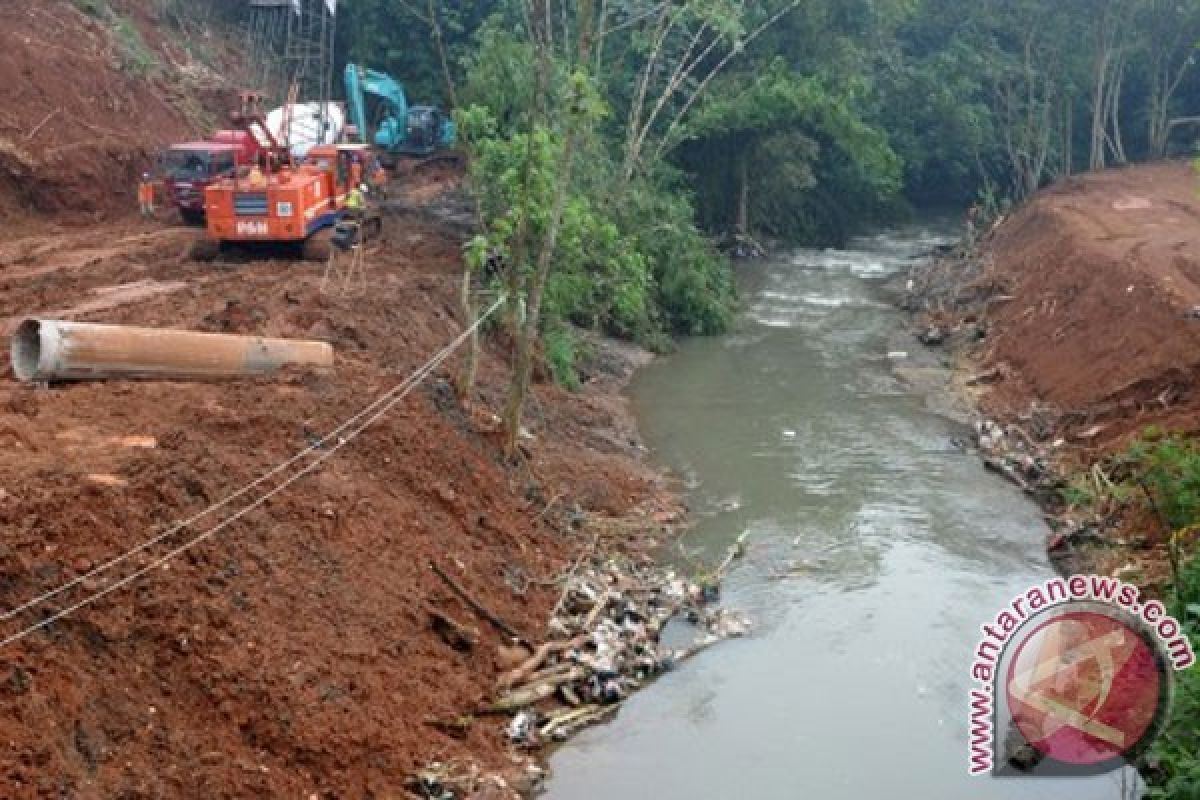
x,y
401,129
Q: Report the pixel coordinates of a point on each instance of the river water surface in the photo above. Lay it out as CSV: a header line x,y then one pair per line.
x,y
877,550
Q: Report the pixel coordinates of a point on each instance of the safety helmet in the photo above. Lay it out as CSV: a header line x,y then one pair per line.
x,y
362,187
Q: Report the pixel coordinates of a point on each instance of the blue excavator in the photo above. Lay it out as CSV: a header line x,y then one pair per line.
x,y
399,129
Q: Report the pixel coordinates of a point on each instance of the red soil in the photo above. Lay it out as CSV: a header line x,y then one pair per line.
x,y
1092,331
80,119
292,654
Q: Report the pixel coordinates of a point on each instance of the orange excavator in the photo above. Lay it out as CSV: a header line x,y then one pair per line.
x,y
282,204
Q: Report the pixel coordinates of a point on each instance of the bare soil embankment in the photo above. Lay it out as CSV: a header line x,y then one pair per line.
x,y
90,91
295,654
1094,321
1079,320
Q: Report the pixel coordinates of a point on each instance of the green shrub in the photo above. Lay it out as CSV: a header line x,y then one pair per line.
x,y
1173,762
561,351
1168,468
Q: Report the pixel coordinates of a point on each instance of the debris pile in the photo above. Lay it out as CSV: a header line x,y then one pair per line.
x,y
1009,451
605,643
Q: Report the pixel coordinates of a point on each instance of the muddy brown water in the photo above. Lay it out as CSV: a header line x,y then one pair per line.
x,y
877,550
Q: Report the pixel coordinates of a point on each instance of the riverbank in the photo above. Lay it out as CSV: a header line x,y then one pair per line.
x,y
875,550
312,648
1074,329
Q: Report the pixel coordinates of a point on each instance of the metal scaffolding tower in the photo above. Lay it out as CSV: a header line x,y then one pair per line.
x,y
291,42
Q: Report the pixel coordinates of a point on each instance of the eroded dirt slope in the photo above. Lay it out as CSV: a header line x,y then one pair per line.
x,y
90,91
1094,322
293,655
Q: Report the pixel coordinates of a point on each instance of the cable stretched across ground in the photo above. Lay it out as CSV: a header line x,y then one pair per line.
x,y
341,436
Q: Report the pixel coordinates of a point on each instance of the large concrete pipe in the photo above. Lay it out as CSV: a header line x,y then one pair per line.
x,y
52,350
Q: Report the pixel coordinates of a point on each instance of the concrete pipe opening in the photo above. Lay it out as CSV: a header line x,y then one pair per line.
x,y
26,350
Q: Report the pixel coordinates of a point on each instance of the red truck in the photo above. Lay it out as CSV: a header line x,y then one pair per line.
x,y
189,168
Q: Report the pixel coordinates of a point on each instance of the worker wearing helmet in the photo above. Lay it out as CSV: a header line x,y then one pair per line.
x,y
356,202
146,195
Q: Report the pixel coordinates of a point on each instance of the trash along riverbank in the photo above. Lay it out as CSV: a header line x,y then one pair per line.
x,y
1072,327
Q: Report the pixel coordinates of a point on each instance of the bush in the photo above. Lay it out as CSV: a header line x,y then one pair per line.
x,y
1168,467
1173,764
561,353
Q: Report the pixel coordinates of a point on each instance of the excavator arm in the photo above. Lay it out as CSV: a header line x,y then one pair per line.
x,y
392,131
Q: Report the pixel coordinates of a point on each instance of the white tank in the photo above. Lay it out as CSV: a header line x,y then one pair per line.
x,y
306,126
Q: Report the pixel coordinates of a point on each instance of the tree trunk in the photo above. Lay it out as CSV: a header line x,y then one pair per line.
x,y
526,340
465,385
1068,158
1114,107
1158,113
440,46
1099,95
743,204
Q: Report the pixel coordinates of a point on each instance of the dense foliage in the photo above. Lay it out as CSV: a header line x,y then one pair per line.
x,y
805,119
796,119
1167,470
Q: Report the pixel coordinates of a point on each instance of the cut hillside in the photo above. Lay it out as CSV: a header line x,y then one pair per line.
x,y
90,91
1093,327
296,654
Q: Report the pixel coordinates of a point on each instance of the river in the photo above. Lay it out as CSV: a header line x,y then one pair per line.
x,y
877,549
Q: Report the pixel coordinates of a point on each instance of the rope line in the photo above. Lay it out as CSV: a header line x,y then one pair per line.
x,y
372,414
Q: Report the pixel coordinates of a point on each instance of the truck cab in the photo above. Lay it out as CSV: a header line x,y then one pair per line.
x,y
190,168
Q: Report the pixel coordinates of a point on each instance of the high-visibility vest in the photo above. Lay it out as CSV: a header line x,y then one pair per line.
x,y
355,200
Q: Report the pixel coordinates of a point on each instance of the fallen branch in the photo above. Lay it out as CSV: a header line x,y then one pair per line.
x,y
526,669
565,725
736,551
476,606
42,124
535,692
562,598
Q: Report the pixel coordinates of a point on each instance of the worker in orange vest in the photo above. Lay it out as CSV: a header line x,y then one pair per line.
x,y
146,195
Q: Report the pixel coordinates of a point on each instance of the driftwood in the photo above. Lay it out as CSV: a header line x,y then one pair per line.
x,y
476,606
565,724
535,692
525,671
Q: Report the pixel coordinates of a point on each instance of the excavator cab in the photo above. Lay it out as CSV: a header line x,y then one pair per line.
x,y
424,129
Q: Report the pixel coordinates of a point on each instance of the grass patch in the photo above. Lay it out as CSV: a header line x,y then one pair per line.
x,y
133,54
94,8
